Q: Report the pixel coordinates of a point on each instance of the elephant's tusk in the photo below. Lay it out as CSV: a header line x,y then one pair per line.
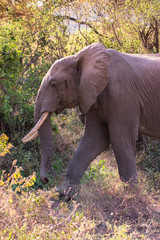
x,y
36,127
30,138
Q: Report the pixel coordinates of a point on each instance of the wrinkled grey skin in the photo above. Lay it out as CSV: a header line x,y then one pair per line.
x,y
120,96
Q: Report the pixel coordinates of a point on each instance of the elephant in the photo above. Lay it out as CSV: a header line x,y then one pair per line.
x,y
119,95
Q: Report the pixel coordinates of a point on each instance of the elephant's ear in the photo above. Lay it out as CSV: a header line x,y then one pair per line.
x,y
92,74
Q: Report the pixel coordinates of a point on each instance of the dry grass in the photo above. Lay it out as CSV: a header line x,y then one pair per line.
x,y
104,208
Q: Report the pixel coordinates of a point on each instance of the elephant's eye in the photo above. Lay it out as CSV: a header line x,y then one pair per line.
x,y
53,84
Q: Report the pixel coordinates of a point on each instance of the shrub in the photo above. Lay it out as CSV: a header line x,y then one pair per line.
x,y
149,160
16,107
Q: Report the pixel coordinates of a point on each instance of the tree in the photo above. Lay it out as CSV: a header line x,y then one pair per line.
x,y
29,43
127,25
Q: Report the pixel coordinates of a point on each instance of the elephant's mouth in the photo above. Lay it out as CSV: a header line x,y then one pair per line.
x,y
34,132
59,108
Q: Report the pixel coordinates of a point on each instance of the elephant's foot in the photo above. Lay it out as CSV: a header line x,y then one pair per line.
x,y
132,181
68,191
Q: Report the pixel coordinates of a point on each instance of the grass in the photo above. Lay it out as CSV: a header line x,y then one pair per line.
x,y
105,208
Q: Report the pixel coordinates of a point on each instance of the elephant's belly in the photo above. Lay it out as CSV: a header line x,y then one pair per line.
x,y
149,131
150,120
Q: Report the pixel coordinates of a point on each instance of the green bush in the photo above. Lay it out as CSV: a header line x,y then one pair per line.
x,y
16,112
149,160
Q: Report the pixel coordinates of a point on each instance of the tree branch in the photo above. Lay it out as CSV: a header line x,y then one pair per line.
x,y
115,34
84,23
33,60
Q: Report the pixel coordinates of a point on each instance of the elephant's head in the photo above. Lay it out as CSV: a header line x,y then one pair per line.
x,y
71,81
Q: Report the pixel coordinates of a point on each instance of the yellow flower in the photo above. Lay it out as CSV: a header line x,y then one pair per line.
x,y
10,200
17,175
1,183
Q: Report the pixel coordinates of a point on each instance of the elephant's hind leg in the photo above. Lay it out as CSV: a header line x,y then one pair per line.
x,y
123,140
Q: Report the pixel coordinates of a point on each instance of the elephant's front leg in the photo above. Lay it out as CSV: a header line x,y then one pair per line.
x,y
95,140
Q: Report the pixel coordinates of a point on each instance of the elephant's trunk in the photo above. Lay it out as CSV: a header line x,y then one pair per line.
x,y
44,129
46,142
